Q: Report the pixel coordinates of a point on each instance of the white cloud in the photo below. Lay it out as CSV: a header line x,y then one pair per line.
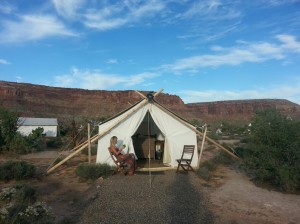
x,y
243,53
289,42
149,9
112,61
140,78
19,79
33,27
6,8
103,19
4,62
114,16
279,2
95,79
67,8
212,10
291,93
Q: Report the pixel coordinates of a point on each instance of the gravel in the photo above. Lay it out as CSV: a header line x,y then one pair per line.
x,y
162,197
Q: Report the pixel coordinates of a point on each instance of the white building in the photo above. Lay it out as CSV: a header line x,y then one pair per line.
x,y
27,124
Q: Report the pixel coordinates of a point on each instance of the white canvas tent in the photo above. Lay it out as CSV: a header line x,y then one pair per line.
x,y
177,133
161,121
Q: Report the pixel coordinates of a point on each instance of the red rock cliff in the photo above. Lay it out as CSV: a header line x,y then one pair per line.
x,y
43,101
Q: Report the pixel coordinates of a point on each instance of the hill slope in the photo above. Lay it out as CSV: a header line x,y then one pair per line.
x,y
44,101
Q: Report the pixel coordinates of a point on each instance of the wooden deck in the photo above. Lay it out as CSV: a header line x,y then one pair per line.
x,y
154,165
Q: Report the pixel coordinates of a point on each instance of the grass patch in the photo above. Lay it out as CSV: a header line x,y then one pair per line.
x,y
208,167
18,170
93,171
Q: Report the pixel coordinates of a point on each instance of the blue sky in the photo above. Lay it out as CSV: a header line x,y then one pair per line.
x,y
206,50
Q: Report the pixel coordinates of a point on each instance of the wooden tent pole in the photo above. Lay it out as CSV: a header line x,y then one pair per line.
x,y
96,137
155,94
158,92
89,141
142,95
202,147
218,145
198,132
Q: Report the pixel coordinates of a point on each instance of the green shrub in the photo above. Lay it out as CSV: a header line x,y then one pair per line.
x,y
7,193
24,193
93,171
39,212
20,193
224,158
272,154
6,171
16,170
18,144
19,207
54,143
210,165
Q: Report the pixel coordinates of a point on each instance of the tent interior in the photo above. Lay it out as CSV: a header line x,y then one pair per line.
x,y
148,140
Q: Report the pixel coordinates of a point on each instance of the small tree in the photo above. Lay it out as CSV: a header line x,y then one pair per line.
x,y
8,126
11,139
34,139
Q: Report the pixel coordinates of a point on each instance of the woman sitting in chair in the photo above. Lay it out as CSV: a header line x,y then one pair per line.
x,y
128,158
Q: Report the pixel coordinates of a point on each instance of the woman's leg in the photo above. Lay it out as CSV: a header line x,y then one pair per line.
x,y
129,159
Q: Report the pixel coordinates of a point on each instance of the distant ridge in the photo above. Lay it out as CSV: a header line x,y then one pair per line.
x,y
45,101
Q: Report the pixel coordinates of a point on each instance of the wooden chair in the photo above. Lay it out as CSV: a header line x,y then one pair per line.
x,y
186,158
120,166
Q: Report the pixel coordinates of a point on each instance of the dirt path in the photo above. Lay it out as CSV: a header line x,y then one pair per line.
x,y
235,199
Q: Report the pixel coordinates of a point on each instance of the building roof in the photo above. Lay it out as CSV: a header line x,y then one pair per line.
x,y
29,121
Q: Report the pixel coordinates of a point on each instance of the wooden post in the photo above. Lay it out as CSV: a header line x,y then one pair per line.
x,y
89,141
202,146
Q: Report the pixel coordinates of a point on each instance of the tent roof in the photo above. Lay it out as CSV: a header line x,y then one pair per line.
x,y
124,111
120,113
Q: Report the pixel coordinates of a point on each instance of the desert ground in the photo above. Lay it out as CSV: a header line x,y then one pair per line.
x,y
228,197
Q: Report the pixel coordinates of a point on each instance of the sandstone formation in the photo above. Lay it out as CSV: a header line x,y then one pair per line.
x,y
44,101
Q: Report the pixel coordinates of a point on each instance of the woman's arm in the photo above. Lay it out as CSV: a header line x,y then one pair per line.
x,y
115,150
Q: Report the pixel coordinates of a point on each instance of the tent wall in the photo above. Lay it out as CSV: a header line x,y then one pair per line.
x,y
176,134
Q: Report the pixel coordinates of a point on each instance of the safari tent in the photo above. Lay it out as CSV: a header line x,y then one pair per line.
x,y
144,128
149,128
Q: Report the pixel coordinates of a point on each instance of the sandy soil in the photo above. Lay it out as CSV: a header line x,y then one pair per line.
x,y
235,199
232,197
